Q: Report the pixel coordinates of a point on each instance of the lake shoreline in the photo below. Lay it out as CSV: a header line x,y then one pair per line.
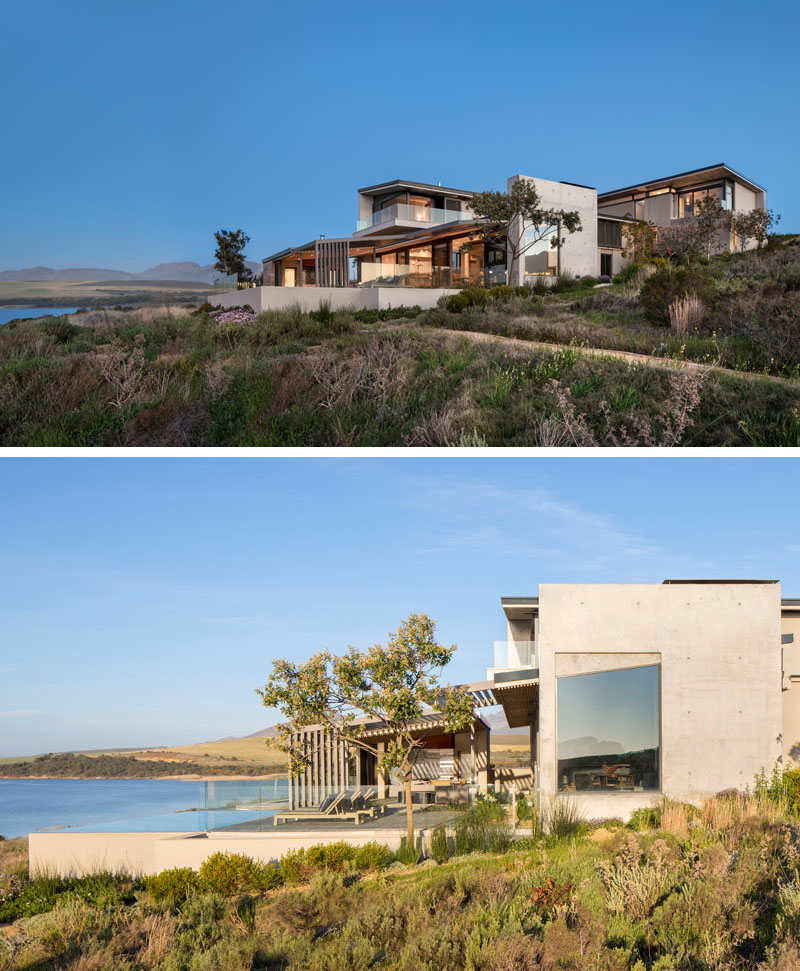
x,y
143,778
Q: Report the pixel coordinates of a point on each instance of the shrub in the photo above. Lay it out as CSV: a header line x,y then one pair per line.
x,y
501,292
563,818
60,329
666,286
331,856
523,809
648,817
791,785
587,281
172,886
407,854
548,898
440,844
468,297
294,867
373,856
227,874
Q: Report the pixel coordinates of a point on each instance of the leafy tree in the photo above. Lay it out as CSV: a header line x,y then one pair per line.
x,y
709,217
519,221
393,685
751,224
229,254
640,239
682,242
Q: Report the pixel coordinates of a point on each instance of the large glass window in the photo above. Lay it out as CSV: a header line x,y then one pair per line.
x,y
609,731
541,259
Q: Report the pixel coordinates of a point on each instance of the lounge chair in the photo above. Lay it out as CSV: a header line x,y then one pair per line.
x,y
365,800
339,806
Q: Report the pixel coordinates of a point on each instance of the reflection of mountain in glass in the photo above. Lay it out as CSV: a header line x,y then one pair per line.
x,y
588,745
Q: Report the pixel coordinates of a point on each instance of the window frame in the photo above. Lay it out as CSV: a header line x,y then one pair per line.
x,y
659,790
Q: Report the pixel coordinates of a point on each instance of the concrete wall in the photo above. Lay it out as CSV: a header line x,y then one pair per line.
x,y
720,677
76,854
579,252
65,854
790,695
339,298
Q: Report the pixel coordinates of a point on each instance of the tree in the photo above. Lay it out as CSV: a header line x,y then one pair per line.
x,y
229,254
518,220
393,685
640,239
709,217
747,224
681,242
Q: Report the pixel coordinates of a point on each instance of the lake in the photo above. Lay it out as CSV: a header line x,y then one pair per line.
x,y
126,805
11,313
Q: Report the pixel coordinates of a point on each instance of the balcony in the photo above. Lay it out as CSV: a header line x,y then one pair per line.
x,y
516,654
424,215
403,275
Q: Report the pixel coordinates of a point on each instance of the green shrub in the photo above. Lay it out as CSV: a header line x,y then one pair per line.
x,y
407,854
60,329
468,297
563,819
648,817
332,856
440,844
628,273
587,281
373,856
791,786
666,286
172,886
227,874
501,292
523,809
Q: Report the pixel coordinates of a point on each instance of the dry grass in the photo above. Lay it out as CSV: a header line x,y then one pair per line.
x,y
686,313
13,855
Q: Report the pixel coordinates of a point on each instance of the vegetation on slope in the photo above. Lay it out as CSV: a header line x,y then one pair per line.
x,y
432,378
680,889
67,765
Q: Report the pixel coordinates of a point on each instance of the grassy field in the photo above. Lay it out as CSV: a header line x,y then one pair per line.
x,y
103,293
681,888
514,369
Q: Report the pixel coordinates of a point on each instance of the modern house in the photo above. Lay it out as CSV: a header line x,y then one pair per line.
x,y
639,691
413,241
629,693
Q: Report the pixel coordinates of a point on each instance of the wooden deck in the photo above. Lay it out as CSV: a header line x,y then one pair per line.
x,y
392,821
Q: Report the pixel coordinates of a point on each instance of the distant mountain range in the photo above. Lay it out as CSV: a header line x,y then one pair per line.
x,y
495,719
191,272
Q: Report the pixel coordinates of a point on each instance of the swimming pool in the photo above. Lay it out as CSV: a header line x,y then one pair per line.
x,y
192,821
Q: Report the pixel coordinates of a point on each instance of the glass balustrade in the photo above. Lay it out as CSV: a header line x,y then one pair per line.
x,y
516,654
414,214
403,275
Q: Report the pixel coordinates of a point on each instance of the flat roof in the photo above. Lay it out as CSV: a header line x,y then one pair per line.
x,y
719,581
404,183
680,175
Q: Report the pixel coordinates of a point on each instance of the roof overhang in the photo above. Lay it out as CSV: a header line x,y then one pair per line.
x,y
706,174
520,608
439,190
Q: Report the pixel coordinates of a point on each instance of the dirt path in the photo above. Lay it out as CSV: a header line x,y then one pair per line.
x,y
632,356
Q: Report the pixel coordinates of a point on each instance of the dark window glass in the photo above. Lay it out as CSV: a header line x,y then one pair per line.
x,y
605,264
608,731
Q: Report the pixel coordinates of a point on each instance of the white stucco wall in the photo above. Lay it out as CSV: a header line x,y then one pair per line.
x,y
720,677
339,298
579,251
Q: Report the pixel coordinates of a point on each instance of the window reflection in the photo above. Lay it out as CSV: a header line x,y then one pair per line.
x,y
608,731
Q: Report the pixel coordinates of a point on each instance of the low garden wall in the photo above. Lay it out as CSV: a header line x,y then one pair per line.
x,y
338,298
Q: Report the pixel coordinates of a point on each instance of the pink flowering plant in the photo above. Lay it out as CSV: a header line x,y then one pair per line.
x,y
239,316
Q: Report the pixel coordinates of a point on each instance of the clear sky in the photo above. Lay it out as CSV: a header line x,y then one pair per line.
x,y
133,131
143,599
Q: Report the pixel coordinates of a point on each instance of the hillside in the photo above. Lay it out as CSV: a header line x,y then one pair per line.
x,y
565,366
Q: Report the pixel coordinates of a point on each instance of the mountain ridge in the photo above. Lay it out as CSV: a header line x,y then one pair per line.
x,y
186,270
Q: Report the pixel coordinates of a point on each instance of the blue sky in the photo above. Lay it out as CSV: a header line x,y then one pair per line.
x,y
143,599
134,131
